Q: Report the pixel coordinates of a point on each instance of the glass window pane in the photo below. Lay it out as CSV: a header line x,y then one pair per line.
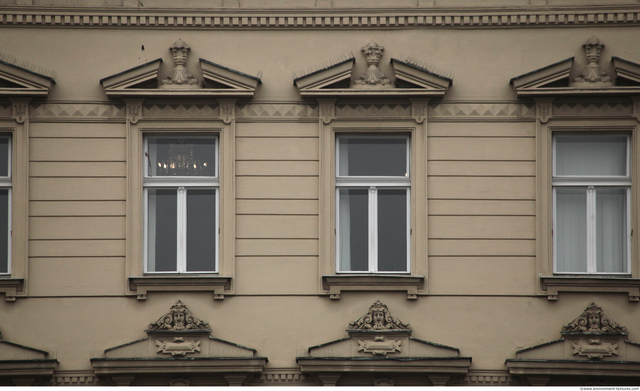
x,y
611,230
182,156
162,235
354,229
591,154
4,231
4,156
392,230
373,156
571,229
201,230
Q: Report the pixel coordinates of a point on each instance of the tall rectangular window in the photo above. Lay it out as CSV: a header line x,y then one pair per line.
x,y
181,186
373,186
5,205
591,196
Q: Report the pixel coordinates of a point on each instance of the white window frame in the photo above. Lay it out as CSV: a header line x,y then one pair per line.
x,y
6,182
181,184
372,183
592,183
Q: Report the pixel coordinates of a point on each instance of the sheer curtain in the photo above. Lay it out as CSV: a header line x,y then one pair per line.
x,y
571,229
591,155
611,230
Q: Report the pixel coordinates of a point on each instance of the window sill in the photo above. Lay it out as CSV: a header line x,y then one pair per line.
x,y
555,284
11,287
336,284
216,284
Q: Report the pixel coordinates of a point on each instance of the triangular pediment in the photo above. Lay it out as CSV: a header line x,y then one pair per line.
x,y
549,77
591,345
18,81
333,79
380,342
218,81
21,363
178,342
555,79
627,72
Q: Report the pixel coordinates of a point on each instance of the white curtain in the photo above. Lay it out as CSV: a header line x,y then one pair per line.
x,y
611,230
591,155
571,229
345,230
151,231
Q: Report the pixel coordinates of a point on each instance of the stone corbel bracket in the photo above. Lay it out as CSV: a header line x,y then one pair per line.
x,y
11,287
553,285
327,110
20,109
636,107
134,109
419,109
216,284
544,109
338,284
227,110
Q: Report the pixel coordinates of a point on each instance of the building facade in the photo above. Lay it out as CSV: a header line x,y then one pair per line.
x,y
319,192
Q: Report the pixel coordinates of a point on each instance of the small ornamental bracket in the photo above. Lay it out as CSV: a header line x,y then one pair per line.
x,y
327,110
20,109
419,109
595,349
227,110
544,109
379,346
636,107
134,110
179,346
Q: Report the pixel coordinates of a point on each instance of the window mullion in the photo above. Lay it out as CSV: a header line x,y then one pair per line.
x,y
591,230
373,229
182,230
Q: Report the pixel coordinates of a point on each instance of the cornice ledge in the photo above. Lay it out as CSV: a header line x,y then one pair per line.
x,y
216,284
335,284
507,17
555,284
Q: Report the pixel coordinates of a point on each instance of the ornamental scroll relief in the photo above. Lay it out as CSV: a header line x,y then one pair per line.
x,y
593,320
179,318
378,318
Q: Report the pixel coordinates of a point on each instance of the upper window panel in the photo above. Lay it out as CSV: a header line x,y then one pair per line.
x,y
373,156
173,156
591,155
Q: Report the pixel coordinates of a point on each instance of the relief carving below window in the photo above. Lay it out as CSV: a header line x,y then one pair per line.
x,y
591,345
593,320
179,318
378,318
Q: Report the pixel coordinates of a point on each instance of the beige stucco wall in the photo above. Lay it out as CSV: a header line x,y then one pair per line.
x,y
482,273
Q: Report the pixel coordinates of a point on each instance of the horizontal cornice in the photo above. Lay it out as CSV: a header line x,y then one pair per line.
x,y
238,18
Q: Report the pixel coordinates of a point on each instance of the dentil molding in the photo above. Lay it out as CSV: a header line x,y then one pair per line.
x,y
313,19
